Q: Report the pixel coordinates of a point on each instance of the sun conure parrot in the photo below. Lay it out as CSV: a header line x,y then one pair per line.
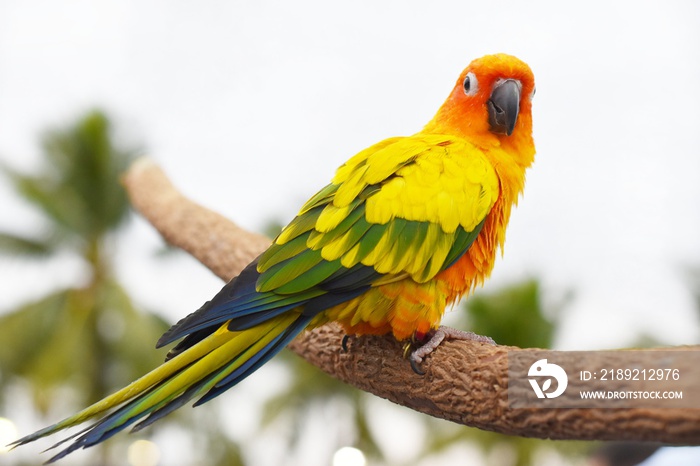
x,y
406,227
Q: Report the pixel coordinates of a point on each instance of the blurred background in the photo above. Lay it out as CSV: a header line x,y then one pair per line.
x,y
250,107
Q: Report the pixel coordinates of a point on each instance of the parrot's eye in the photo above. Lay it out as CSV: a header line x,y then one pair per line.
x,y
471,85
532,96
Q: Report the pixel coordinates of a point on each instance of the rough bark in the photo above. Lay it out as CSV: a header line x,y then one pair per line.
x,y
465,382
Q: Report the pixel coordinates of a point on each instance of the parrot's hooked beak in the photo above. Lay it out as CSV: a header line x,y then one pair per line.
x,y
504,106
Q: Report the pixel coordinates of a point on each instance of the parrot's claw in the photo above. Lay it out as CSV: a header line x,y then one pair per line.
x,y
415,364
435,338
344,343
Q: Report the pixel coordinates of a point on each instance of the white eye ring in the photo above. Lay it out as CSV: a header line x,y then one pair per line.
x,y
532,95
470,84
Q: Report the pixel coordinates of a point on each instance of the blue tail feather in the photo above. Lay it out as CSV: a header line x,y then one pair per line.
x,y
258,360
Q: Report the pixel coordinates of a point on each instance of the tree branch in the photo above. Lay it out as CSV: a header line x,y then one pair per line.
x,y
465,382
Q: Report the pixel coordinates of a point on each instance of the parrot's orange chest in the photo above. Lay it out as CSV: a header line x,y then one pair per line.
x,y
476,264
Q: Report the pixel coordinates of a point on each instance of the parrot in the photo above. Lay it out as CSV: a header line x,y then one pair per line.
x,y
404,229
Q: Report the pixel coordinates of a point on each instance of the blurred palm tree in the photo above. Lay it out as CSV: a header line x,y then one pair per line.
x,y
514,315
90,336
76,330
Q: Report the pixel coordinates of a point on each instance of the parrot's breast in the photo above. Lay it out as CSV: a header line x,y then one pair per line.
x,y
475,266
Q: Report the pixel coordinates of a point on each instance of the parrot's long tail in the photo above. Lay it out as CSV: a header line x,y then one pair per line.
x,y
205,370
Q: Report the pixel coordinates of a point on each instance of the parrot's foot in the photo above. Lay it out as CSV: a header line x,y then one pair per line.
x,y
435,338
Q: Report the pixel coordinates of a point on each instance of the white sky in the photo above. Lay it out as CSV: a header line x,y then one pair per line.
x,y
250,107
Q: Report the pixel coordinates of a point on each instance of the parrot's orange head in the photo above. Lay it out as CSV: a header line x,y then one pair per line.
x,y
491,102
